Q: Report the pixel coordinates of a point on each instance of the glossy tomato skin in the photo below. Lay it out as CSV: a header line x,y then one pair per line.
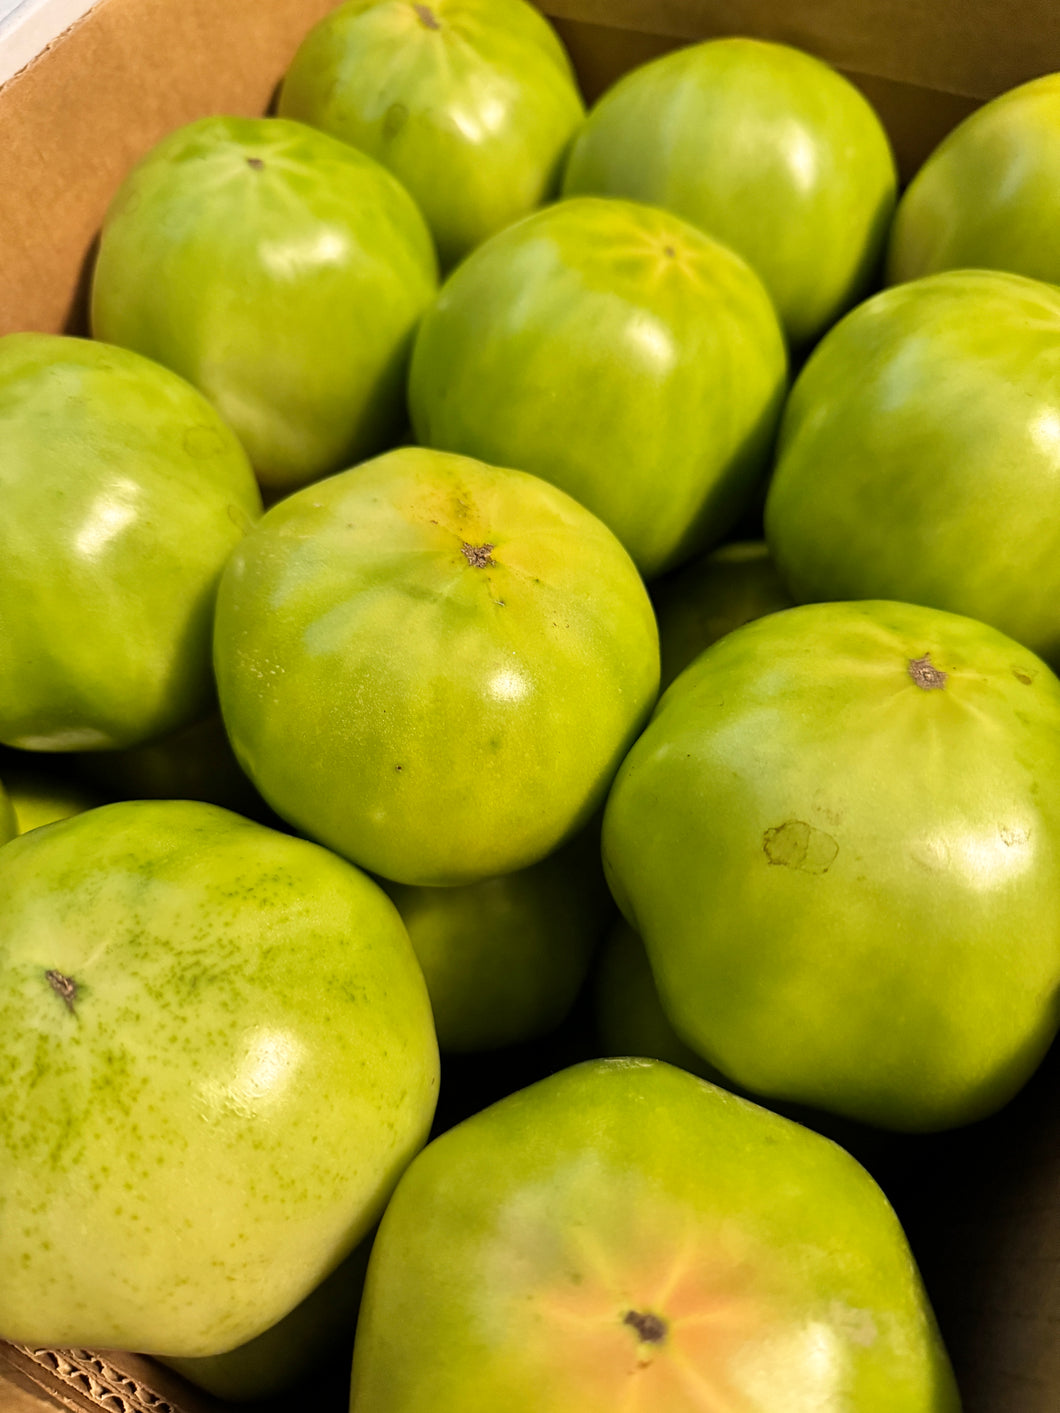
x,y
433,666
919,456
470,103
624,1235
639,366
988,197
123,493
217,1057
846,868
279,271
768,150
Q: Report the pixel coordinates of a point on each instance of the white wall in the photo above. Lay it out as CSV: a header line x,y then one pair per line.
x,y
27,26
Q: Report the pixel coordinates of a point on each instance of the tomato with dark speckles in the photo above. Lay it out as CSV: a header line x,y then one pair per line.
x,y
217,1057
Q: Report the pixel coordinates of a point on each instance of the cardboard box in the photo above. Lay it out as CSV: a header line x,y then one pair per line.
x,y
982,1206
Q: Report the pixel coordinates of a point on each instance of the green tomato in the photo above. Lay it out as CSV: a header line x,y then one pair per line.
x,y
625,1235
504,958
434,666
618,352
919,456
217,1057
989,196
281,272
471,103
765,148
122,482
712,595
839,838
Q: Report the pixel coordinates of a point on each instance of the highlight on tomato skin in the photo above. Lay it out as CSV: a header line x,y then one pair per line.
x,y
470,103
282,273
988,196
123,495
767,149
915,477
838,838
434,666
611,348
242,1014
623,1236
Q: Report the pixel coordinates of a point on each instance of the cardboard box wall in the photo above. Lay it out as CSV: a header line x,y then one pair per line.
x,y
982,1206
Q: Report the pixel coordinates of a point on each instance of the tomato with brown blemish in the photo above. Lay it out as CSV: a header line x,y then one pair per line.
x,y
839,838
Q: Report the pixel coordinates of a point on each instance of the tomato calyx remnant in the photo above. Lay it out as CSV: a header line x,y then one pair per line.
x,y
651,1329
256,163
65,987
478,556
926,675
427,18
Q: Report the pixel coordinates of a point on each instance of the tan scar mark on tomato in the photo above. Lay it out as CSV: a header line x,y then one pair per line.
x,y
796,844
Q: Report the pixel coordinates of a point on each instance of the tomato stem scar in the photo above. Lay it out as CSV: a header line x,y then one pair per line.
x,y
926,675
478,556
64,987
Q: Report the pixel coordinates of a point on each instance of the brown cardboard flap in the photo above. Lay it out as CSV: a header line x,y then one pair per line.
x,y
75,120
972,48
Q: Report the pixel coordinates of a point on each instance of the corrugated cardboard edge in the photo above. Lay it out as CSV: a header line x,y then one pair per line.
x,y
85,1381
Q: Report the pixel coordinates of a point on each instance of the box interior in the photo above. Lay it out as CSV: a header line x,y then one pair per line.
x,y
982,1205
